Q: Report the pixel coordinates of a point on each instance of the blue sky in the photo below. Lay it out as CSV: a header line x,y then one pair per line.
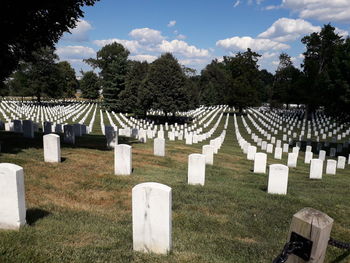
x,y
198,31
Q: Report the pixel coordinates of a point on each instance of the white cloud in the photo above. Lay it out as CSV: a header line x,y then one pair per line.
x,y
272,7
147,35
148,58
182,48
268,55
286,29
322,10
181,36
237,3
131,45
242,43
341,32
75,52
79,33
171,23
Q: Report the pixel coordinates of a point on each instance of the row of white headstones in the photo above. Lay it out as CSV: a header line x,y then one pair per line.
x,y
131,127
151,202
278,173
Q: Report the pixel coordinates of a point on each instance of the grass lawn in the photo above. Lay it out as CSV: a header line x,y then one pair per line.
x,y
79,211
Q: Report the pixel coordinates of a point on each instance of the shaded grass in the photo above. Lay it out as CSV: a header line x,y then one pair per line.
x,y
79,211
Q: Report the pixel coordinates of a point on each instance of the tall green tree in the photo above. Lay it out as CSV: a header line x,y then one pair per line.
x,y
69,81
244,73
167,83
287,87
135,97
89,85
112,60
320,65
27,26
213,81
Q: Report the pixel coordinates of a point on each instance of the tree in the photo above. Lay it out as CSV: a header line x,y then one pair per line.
x,y
69,81
166,82
133,98
89,85
40,77
27,26
320,65
214,78
287,86
244,73
112,60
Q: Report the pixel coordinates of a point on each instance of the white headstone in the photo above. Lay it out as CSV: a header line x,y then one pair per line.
x,y
331,167
260,163
316,169
151,218
196,169
341,162
322,155
12,196
52,148
159,146
208,151
292,160
278,179
278,153
308,157
122,159
251,152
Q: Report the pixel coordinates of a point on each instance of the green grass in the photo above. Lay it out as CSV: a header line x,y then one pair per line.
x,y
79,211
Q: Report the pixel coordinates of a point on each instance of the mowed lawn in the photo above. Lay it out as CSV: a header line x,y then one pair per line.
x,y
79,211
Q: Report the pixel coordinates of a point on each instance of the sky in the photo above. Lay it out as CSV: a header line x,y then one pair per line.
x,y
198,31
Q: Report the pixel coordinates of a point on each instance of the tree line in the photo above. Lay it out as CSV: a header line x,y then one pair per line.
x,y
131,86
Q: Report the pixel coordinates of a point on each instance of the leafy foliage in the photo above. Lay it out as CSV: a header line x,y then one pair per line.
x,y
112,60
27,26
89,85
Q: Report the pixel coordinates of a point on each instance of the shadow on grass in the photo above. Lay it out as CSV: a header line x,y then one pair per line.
x,y
35,214
15,142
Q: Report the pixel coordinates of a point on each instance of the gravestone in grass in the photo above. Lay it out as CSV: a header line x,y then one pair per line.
x,y
278,153
159,147
28,129
52,148
331,167
122,159
69,135
341,162
208,151
151,218
251,152
322,155
12,196
308,157
278,179
260,163
292,160
111,137
316,169
196,169
47,127
17,126
77,129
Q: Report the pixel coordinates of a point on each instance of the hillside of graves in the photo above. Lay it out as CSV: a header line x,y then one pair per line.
x,y
72,174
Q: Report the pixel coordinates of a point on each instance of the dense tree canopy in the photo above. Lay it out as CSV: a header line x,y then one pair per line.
x,y
27,26
89,85
43,76
112,60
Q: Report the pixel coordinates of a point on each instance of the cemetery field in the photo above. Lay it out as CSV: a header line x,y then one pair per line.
x,y
79,211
